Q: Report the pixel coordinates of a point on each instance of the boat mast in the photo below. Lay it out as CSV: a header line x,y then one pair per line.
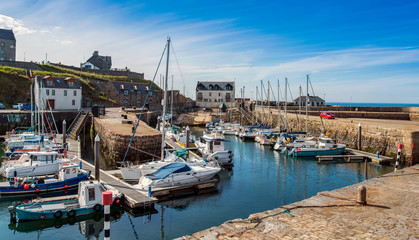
x,y
32,106
299,111
171,106
261,98
285,106
164,102
307,101
256,106
269,104
279,111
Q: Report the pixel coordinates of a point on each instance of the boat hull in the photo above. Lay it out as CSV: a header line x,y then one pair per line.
x,y
45,187
319,152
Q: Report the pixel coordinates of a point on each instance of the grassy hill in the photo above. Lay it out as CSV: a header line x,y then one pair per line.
x,y
16,85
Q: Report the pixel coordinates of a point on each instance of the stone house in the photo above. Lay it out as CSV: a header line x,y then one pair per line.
x,y
130,94
7,45
57,93
98,62
312,101
213,94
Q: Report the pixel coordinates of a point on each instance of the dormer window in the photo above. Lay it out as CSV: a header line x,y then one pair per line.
x,y
210,87
229,87
71,84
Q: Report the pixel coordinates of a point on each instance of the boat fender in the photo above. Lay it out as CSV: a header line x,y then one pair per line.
x,y
71,213
58,214
97,207
33,185
116,201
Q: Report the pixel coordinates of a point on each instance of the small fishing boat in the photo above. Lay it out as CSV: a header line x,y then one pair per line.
x,y
33,164
248,135
177,174
211,146
324,146
88,201
69,176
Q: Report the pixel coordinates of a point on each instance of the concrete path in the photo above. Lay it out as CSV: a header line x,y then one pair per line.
x,y
392,212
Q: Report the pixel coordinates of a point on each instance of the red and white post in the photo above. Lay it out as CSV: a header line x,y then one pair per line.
x,y
107,201
399,150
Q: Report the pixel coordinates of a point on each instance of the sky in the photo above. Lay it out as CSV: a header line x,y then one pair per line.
x,y
359,51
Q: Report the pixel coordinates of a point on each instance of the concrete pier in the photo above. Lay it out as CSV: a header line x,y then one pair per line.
x,y
391,211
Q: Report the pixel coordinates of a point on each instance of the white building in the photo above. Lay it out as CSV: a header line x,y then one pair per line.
x,y
213,94
57,93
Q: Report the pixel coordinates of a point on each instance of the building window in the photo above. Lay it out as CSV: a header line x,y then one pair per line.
x,y
73,102
2,51
126,92
205,100
139,92
199,97
71,84
74,93
228,97
150,94
65,92
47,92
210,87
53,92
210,94
219,94
125,101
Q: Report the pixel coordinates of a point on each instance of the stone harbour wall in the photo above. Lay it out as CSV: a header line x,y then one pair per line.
x,y
114,145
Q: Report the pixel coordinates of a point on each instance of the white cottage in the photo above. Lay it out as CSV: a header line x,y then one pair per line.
x,y
213,94
57,93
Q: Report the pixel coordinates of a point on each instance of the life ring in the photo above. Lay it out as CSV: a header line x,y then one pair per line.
x,y
97,207
58,214
71,213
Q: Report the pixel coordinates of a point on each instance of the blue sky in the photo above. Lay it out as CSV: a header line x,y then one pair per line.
x,y
367,50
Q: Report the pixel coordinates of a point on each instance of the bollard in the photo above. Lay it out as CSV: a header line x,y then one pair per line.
x,y
399,150
64,133
78,147
378,155
81,165
366,169
97,163
359,136
107,201
188,133
362,195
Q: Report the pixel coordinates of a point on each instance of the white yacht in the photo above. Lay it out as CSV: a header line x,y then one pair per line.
x,y
324,146
176,174
33,164
135,172
212,147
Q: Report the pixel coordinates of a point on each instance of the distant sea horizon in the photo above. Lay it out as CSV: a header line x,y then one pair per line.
x,y
356,104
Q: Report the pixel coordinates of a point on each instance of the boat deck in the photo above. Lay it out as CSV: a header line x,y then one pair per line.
x,y
133,197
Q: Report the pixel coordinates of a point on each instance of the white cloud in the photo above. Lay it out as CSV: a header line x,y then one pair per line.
x,y
15,24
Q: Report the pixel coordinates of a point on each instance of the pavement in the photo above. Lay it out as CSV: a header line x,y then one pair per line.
x,y
391,212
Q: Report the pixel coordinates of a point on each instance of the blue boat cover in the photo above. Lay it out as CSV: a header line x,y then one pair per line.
x,y
165,171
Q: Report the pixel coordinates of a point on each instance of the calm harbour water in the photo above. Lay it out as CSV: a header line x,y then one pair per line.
x,y
261,179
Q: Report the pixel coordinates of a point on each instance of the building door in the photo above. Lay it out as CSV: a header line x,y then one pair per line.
x,y
51,103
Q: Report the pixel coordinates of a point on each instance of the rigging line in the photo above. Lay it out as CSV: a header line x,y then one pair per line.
x,y
55,141
317,107
178,66
296,113
145,102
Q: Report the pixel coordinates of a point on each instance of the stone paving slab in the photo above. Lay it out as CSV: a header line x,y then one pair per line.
x,y
391,212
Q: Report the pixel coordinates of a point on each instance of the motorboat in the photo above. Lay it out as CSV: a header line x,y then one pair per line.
x,y
211,146
69,176
132,173
248,135
176,174
88,201
33,164
324,146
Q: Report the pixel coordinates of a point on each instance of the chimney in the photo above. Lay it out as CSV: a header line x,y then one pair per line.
x,y
96,53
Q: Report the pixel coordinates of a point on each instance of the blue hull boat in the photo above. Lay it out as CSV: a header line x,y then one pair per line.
x,y
42,185
318,152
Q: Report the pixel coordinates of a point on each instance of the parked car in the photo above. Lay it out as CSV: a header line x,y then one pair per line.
x,y
27,106
2,106
17,106
327,115
207,109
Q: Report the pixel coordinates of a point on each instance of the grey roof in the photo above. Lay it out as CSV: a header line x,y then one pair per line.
x,y
7,34
121,86
101,62
310,98
60,82
216,85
